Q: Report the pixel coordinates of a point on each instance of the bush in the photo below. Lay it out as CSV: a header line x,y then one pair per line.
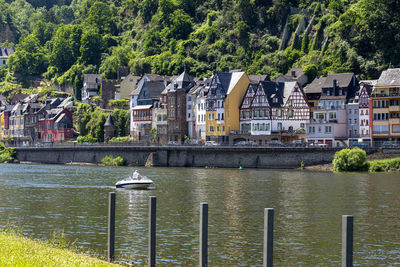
x,y
6,153
384,165
111,161
86,139
123,139
118,103
350,160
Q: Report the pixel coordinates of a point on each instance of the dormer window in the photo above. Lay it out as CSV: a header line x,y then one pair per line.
x,y
340,92
275,100
328,92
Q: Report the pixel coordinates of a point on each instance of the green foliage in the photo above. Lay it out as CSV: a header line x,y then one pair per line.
x,y
6,153
118,103
123,139
61,39
350,160
384,165
111,161
122,121
29,58
86,139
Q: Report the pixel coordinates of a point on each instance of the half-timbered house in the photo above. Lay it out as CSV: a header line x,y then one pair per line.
x,y
364,109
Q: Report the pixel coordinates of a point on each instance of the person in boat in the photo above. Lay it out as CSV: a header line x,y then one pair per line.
x,y
136,175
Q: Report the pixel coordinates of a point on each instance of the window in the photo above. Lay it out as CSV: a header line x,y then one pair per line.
x,y
319,129
328,93
279,126
222,116
211,128
217,128
223,128
302,125
328,129
209,116
275,100
361,112
219,117
340,92
212,115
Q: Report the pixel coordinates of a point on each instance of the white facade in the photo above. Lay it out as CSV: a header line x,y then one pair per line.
x,y
200,117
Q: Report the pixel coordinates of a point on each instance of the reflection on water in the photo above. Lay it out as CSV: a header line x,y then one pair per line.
x,y
308,208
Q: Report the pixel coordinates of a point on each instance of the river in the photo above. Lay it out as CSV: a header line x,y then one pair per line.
x,y
43,199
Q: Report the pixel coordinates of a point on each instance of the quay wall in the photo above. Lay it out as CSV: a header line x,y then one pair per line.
x,y
180,156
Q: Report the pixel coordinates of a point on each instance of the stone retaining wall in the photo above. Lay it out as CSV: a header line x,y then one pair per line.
x,y
180,156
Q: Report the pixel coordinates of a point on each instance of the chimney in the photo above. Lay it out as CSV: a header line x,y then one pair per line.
x,y
334,86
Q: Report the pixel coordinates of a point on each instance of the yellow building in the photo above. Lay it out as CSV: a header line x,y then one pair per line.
x,y
385,100
2,126
223,101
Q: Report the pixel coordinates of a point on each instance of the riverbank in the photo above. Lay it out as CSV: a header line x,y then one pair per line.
x,y
16,250
375,157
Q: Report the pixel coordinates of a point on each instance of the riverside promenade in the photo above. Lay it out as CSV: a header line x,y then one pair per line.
x,y
182,156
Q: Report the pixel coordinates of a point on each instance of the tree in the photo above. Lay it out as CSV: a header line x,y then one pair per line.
x,y
91,48
29,58
101,17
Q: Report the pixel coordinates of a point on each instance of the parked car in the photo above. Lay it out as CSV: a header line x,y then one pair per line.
x,y
276,143
246,143
388,144
318,144
298,143
359,144
193,143
211,143
173,143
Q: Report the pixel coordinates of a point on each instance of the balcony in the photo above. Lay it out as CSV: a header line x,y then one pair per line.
x,y
394,108
394,121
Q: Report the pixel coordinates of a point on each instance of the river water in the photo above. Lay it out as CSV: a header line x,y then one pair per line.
x,y
44,199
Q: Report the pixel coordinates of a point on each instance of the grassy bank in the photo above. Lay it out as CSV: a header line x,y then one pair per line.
x,y
16,250
384,165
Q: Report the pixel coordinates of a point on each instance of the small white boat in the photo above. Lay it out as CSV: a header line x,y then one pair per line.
x,y
130,183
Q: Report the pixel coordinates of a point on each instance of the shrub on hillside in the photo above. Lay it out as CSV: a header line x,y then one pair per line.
x,y
123,139
86,139
111,161
350,160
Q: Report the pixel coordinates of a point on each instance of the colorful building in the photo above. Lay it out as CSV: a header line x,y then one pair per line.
x,y
223,101
385,99
56,126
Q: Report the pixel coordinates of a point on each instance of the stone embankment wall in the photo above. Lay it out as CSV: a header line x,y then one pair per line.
x,y
223,157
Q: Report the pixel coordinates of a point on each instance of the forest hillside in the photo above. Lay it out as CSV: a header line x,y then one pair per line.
x,y
60,40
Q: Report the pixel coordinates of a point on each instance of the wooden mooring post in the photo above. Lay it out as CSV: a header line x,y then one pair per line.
x,y
152,231
111,226
203,235
268,237
347,240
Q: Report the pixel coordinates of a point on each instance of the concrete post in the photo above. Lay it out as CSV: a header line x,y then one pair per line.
x,y
268,237
111,226
347,240
203,234
152,231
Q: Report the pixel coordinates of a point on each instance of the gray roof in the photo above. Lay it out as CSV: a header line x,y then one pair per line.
x,y
272,90
184,80
92,78
154,88
109,121
5,52
342,79
257,78
316,86
389,77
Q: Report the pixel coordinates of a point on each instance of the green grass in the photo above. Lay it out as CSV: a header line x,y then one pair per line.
x,y
16,250
384,165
